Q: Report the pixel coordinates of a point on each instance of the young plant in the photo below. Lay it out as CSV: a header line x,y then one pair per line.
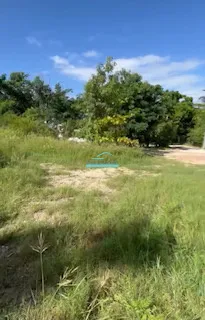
x,y
41,248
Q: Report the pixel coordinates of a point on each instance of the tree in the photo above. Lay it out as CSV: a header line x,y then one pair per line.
x,y
41,93
61,105
108,91
116,104
17,89
112,92
147,111
183,119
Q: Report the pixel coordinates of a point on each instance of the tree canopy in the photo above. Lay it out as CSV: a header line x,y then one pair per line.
x,y
115,104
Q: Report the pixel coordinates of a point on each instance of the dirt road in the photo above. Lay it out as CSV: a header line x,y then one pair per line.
x,y
185,154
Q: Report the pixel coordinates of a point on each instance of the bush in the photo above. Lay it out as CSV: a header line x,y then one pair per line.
x,y
196,136
73,127
23,125
35,114
165,134
128,142
120,141
6,106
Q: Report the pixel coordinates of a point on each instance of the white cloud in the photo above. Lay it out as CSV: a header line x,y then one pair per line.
x,y
174,75
65,67
180,75
59,61
34,41
134,63
90,54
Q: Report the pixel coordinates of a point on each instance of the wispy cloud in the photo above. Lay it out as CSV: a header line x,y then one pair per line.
x,y
78,72
90,54
174,75
33,41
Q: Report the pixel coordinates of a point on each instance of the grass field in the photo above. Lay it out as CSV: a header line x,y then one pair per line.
x,y
136,252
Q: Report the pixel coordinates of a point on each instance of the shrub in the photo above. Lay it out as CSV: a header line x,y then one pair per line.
x,y
196,136
6,106
35,114
74,128
23,125
128,142
120,141
106,139
165,134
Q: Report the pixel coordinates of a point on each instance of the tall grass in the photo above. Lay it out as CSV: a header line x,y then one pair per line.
x,y
139,255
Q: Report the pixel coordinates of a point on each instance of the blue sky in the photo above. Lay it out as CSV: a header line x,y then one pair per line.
x,y
62,41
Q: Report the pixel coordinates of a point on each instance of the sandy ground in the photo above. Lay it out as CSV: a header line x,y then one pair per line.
x,y
88,179
186,154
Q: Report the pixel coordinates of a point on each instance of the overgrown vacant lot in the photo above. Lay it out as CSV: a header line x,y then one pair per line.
x,y
118,244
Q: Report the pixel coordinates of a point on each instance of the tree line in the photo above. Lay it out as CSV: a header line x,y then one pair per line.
x,y
115,106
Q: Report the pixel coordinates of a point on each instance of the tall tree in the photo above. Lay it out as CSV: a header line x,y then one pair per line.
x,y
17,89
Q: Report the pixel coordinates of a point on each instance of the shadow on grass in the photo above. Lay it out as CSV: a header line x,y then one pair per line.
x,y
154,151
137,244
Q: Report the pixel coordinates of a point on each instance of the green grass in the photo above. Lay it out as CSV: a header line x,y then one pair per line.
x,y
139,255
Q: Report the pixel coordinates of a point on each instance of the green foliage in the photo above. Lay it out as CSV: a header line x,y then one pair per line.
x,y
18,93
120,141
24,125
35,114
165,133
146,108
115,103
6,106
105,139
196,134
112,127
74,127
184,119
128,142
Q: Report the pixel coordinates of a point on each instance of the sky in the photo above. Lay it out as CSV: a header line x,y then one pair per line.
x,y
63,40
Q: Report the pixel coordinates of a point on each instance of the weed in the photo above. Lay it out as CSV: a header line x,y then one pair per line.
x,y
41,248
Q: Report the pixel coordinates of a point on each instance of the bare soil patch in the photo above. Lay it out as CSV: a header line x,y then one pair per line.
x,y
88,179
186,154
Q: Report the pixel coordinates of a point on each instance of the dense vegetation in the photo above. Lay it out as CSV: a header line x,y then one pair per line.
x,y
116,106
